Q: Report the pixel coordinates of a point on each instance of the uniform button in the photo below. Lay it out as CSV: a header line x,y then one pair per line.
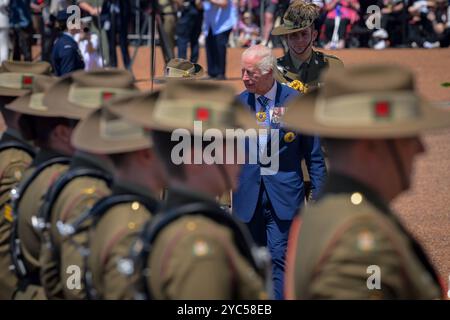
x,y
135,206
356,198
131,225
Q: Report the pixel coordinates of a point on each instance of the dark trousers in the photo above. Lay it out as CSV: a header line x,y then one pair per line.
x,y
268,230
22,41
119,26
444,38
422,31
49,36
216,53
188,29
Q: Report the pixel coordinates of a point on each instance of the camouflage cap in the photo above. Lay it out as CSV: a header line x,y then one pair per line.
x,y
181,103
32,102
17,77
366,101
299,15
80,93
180,69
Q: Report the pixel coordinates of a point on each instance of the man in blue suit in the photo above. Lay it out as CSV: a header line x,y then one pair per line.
x,y
66,56
266,200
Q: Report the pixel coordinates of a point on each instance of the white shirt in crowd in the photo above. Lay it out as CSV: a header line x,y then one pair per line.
x,y
92,60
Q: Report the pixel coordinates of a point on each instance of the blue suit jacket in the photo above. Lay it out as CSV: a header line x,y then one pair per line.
x,y
66,56
285,188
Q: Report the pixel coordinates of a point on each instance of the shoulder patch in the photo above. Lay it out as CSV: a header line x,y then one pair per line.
x,y
8,213
333,60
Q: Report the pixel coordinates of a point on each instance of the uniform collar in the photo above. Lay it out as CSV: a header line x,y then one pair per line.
x,y
69,35
13,135
297,64
340,183
45,155
182,195
121,186
86,160
271,94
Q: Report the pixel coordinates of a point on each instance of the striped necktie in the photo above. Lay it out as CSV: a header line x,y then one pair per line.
x,y
262,138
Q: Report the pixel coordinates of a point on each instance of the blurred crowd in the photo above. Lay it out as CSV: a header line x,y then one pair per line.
x,y
216,24
343,23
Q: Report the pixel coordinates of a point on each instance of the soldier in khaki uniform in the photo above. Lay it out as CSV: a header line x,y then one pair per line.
x,y
350,244
182,69
168,11
87,180
302,66
302,62
16,155
50,130
138,179
198,250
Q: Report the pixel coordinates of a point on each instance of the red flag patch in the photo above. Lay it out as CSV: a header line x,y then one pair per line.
x,y
202,114
107,96
382,109
27,81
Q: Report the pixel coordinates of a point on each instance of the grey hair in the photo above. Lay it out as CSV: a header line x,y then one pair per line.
x,y
266,59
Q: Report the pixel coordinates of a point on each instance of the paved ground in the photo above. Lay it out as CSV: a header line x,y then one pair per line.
x,y
428,65
426,207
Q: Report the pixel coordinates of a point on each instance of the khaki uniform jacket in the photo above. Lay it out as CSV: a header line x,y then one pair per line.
x,y
13,163
309,73
111,240
77,197
350,240
28,207
195,257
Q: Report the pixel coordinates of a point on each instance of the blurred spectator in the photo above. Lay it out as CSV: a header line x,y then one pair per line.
x,y
340,14
93,8
392,22
168,11
189,27
4,30
45,12
115,17
439,18
66,56
36,14
248,31
320,20
270,8
220,16
360,35
421,30
20,22
88,44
